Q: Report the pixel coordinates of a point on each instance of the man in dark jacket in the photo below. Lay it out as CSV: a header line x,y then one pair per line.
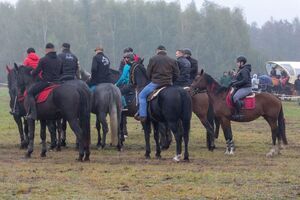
x,y
100,68
194,64
161,71
51,68
242,85
70,67
185,68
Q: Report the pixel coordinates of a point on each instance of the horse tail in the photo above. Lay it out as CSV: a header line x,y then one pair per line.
x,y
84,116
281,126
186,105
115,116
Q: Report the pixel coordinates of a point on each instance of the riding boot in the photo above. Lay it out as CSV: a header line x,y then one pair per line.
x,y
237,116
32,108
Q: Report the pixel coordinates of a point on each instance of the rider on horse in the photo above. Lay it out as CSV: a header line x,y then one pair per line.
x,y
241,84
50,65
194,64
123,82
184,68
161,71
32,58
70,65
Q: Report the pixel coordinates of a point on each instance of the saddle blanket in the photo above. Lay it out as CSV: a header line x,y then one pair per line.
x,y
249,101
43,95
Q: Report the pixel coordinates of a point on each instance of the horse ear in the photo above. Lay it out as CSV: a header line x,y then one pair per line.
x,y
8,69
16,66
201,72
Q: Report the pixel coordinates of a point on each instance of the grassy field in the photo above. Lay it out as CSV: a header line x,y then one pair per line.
x,y
127,175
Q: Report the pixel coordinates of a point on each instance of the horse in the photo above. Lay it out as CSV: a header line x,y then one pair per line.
x,y
65,101
19,112
106,98
267,105
172,107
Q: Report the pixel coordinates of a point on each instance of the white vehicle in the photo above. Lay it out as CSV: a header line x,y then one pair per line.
x,y
291,68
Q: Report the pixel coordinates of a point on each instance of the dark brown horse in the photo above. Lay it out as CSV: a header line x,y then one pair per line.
x,y
267,106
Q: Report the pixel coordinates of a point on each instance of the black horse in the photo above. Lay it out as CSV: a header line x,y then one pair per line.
x,y
66,101
172,107
19,113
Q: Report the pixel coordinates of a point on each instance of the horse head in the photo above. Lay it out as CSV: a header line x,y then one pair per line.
x,y
12,83
138,75
24,77
200,81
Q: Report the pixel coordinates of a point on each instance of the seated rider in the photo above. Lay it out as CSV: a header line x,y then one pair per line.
x,y
161,71
51,68
70,64
123,82
241,84
184,68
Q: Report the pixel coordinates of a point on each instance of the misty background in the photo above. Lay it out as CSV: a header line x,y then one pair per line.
x,y
215,34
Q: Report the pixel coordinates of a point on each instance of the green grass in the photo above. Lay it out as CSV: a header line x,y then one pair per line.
x,y
127,175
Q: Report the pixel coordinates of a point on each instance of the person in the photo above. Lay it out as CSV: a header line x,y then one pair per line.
x,y
32,58
297,85
100,68
225,79
242,85
194,64
255,83
70,65
161,71
123,81
123,63
273,72
185,69
50,66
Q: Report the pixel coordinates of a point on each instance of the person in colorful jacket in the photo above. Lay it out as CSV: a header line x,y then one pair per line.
x,y
32,58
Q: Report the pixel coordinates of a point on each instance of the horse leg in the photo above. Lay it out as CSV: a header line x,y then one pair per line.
x,y
226,126
64,133
178,137
217,124
165,136
186,131
98,127
18,121
210,135
52,130
26,140
59,132
125,132
147,131
74,124
31,128
275,135
43,138
156,138
102,119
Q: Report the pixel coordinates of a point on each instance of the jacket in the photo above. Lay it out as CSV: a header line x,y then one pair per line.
x,y
297,85
31,60
162,69
194,68
69,63
185,69
100,69
51,67
243,77
124,78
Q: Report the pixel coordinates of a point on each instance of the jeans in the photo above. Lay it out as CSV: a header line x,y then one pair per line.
x,y
143,98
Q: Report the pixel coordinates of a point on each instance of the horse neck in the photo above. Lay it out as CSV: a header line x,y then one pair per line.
x,y
140,79
212,93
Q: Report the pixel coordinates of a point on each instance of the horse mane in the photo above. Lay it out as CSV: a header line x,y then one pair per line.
x,y
218,89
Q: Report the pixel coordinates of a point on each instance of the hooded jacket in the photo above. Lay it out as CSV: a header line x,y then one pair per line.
x,y
185,69
69,63
100,69
243,77
31,60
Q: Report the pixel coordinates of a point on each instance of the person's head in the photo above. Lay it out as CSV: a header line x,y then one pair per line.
x,y
66,46
225,73
254,75
179,53
30,50
49,48
298,76
187,52
241,61
128,58
99,49
128,50
161,48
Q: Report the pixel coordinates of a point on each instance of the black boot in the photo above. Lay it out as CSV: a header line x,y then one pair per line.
x,y
237,116
32,109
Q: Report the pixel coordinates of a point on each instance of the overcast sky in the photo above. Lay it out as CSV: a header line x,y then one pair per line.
x,y
258,11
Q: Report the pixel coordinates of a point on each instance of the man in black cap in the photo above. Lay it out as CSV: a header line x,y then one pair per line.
x,y
51,68
161,71
194,64
100,68
70,67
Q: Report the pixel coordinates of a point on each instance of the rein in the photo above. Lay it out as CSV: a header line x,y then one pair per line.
x,y
195,91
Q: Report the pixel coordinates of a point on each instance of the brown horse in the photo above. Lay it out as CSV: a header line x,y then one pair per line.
x,y
267,106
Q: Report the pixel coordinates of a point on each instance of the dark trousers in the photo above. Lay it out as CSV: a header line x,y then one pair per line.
x,y
36,88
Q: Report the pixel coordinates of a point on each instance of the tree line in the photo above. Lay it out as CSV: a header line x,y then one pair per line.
x,y
215,34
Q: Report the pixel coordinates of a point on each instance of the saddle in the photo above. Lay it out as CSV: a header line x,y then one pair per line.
x,y
155,93
43,95
249,101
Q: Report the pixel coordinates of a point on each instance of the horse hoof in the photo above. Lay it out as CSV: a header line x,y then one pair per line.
x,y
158,157
147,157
177,158
86,159
43,154
186,160
58,148
63,143
27,155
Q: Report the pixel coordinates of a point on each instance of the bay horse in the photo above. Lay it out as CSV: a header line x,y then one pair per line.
x,y
65,101
267,105
19,112
172,107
